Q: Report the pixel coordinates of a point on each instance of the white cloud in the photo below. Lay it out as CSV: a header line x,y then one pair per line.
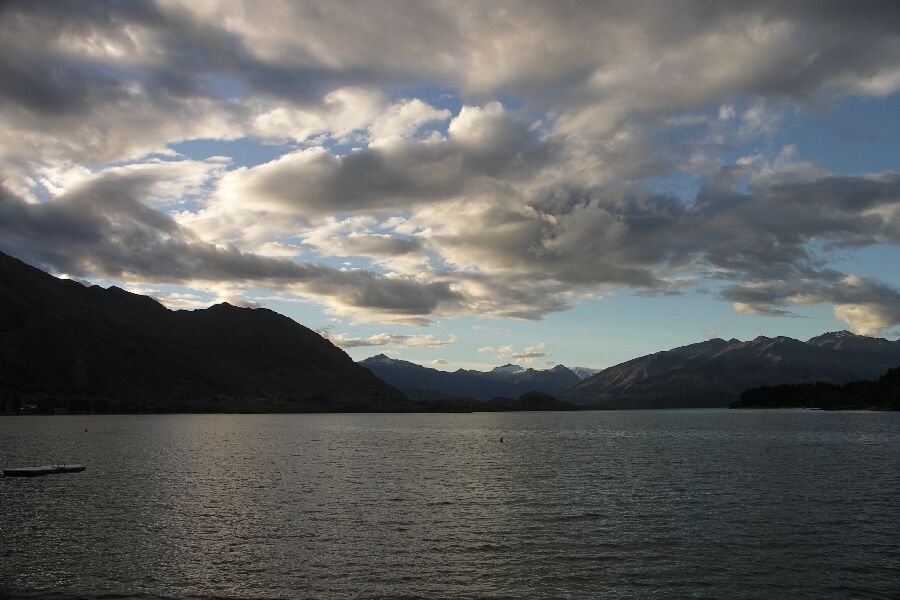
x,y
526,356
389,339
403,118
340,113
865,319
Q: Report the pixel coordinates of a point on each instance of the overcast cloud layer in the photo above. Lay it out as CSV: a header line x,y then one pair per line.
x,y
464,158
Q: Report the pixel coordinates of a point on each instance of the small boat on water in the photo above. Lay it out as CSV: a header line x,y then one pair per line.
x,y
42,470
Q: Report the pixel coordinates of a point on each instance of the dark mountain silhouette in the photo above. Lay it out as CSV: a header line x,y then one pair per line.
x,y
715,372
881,394
507,381
71,346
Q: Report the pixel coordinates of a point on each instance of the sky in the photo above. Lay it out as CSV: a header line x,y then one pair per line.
x,y
465,184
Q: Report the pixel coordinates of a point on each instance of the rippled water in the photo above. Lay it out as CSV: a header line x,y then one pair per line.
x,y
642,504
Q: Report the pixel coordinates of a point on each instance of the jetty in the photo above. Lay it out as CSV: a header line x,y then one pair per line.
x,y
42,470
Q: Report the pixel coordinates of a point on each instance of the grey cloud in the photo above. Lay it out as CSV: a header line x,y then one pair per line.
x,y
521,256
489,145
529,355
774,231
608,61
764,233
101,81
378,245
280,46
102,230
865,304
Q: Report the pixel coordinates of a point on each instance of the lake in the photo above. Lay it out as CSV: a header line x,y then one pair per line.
x,y
620,504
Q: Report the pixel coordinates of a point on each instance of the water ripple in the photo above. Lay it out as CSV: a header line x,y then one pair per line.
x,y
644,504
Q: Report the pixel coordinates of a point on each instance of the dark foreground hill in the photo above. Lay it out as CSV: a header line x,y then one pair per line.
x,y
715,373
507,381
881,394
69,346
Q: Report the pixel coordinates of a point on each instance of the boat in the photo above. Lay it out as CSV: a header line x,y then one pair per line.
x,y
42,470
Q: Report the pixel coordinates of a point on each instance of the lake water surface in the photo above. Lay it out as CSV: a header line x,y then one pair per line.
x,y
637,504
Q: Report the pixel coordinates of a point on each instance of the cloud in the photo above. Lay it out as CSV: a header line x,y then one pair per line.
x,y
364,244
402,120
115,81
340,113
764,311
865,304
528,355
507,254
482,145
388,339
867,319
513,209
100,229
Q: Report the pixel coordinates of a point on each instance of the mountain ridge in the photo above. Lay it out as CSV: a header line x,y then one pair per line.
x,y
713,373
509,380
80,347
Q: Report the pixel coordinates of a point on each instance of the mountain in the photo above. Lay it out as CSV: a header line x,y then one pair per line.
x,y
508,370
507,381
715,372
71,346
584,372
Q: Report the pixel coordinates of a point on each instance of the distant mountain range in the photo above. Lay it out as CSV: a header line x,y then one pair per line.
x,y
509,381
715,372
65,345
708,374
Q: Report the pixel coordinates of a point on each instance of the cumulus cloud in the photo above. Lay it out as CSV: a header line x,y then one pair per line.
x,y
512,210
340,113
865,304
120,68
100,229
483,144
403,119
526,356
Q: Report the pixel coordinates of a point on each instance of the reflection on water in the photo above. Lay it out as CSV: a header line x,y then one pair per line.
x,y
641,504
